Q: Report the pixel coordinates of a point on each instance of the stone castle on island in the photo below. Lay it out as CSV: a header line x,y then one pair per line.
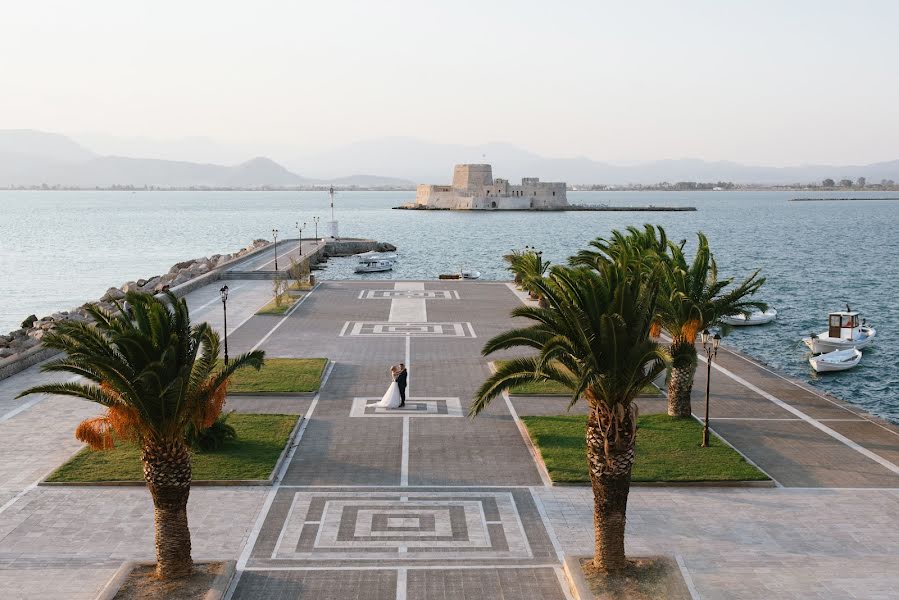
x,y
474,188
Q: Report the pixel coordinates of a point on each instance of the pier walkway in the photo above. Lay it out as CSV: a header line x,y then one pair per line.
x,y
424,503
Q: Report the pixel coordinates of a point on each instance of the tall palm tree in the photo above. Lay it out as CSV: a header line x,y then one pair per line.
x,y
692,299
157,376
594,339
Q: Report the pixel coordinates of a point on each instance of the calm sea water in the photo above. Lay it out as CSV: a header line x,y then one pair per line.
x,y
59,249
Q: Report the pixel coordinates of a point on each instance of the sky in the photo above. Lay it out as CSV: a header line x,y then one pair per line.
x,y
767,83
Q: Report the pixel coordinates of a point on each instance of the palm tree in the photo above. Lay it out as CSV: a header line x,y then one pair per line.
x,y
692,299
650,243
533,269
157,376
515,264
594,339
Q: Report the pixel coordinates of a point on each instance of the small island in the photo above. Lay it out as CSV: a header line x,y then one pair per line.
x,y
474,188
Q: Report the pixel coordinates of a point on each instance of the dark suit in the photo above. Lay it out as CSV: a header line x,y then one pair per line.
x,y
401,384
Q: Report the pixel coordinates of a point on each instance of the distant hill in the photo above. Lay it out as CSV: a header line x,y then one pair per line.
x,y
29,158
40,144
427,162
261,171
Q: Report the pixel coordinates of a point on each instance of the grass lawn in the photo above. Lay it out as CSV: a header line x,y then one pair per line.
x,y
552,388
272,308
667,450
260,440
284,375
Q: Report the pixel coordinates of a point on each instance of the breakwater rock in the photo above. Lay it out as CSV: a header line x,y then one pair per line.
x,y
25,341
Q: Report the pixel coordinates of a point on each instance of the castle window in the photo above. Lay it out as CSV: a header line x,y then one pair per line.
x,y
554,193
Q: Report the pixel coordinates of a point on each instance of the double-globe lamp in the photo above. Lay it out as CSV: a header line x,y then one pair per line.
x,y
710,345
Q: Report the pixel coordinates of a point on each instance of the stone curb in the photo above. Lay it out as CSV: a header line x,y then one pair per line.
x,y
27,359
682,484
196,482
577,583
649,396
216,592
274,394
580,589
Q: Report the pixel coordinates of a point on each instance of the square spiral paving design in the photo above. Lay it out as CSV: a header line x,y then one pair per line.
x,y
408,294
397,329
415,407
408,526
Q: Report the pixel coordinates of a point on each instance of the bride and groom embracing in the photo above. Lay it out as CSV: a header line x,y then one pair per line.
x,y
396,393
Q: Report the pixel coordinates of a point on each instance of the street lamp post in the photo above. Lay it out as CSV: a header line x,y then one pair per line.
x,y
300,229
710,345
224,293
275,235
316,220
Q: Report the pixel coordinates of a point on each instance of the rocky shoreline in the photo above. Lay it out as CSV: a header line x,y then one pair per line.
x,y
15,344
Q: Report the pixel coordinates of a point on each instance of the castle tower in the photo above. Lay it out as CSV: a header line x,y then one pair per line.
x,y
472,178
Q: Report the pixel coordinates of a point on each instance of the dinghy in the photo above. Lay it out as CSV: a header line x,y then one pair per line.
x,y
839,360
755,317
844,332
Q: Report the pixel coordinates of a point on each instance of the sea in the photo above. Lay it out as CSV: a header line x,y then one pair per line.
x,y
59,249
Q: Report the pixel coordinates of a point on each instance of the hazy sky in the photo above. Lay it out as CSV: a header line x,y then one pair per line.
x,y
759,82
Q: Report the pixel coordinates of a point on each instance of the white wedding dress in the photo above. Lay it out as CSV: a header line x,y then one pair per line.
x,y
391,399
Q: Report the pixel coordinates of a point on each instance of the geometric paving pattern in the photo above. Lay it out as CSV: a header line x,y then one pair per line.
x,y
408,294
405,526
415,407
395,329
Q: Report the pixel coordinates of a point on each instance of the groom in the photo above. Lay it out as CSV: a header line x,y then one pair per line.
x,y
401,379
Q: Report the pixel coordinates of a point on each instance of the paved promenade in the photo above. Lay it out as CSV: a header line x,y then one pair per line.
x,y
424,503
286,249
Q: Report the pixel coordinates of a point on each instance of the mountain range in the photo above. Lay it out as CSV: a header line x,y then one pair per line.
x,y
30,157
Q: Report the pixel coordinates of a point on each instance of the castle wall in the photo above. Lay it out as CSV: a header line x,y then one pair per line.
x,y
436,196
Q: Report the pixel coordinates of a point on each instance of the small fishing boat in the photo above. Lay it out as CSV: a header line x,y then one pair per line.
x,y
755,317
844,332
372,262
839,360
463,274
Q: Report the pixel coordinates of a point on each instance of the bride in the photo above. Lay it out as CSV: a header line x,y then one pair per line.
x,y
391,398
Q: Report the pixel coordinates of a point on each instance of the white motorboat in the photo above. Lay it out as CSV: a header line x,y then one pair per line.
x,y
466,274
839,360
844,332
372,262
755,317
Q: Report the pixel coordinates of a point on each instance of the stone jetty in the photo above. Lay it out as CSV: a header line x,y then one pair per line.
x,y
21,348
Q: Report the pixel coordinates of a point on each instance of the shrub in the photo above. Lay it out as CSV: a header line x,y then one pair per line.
x,y
213,437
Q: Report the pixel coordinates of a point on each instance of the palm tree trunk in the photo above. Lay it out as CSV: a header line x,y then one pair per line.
x,y
610,476
680,380
167,470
